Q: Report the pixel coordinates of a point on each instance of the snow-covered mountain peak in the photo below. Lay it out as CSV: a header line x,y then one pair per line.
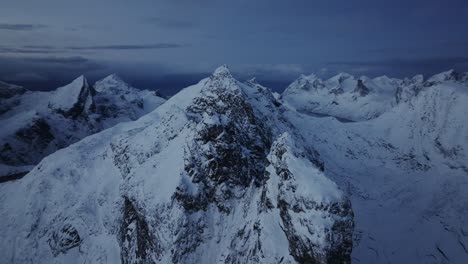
x,y
443,76
221,79
309,77
112,83
74,87
113,78
252,80
383,79
340,77
309,82
79,82
448,76
71,98
222,71
419,78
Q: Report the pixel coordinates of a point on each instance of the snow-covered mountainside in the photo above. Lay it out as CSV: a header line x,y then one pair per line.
x,y
230,172
35,124
406,172
215,174
356,99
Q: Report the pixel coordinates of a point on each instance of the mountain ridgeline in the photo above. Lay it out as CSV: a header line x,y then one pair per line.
x,y
331,171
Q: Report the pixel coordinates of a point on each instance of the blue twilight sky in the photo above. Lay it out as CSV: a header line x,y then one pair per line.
x,y
170,44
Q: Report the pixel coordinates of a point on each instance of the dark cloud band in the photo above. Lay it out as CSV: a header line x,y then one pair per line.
x,y
44,49
128,47
21,27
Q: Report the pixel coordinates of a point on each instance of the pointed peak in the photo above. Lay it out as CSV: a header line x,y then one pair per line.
x,y
65,98
80,81
112,83
77,83
343,74
450,75
382,77
418,78
113,76
252,81
340,77
222,70
311,76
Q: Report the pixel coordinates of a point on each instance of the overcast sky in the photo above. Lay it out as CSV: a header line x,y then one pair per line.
x,y
170,44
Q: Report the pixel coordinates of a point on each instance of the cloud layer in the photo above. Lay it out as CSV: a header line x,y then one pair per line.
x,y
21,27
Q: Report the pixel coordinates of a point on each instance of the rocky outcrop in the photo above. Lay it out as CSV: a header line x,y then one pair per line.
x,y
409,88
361,89
33,137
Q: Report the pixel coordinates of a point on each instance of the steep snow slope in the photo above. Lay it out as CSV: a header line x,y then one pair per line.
x,y
35,124
215,174
406,173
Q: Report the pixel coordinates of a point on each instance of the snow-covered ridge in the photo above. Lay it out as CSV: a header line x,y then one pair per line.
x,y
214,174
35,124
359,98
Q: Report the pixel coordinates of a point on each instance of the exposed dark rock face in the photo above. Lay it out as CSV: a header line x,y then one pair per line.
x,y
37,135
337,91
138,246
84,99
361,89
9,90
64,239
313,85
339,237
409,88
451,76
105,108
227,159
229,148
